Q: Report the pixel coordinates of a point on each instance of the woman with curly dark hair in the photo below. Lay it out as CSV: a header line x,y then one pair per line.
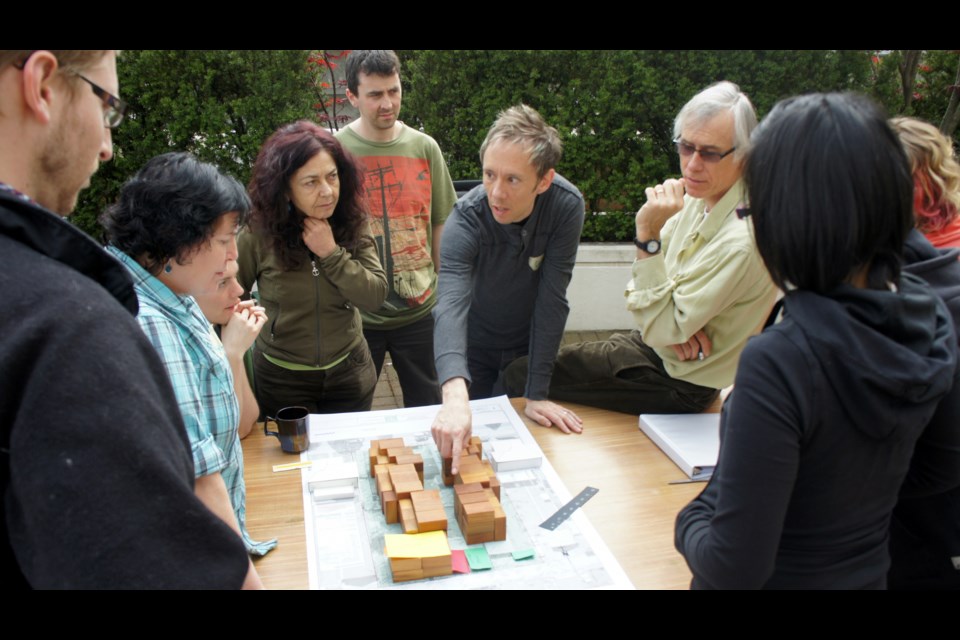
x,y
310,252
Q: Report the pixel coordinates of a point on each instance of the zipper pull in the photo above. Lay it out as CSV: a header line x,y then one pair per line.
x,y
315,272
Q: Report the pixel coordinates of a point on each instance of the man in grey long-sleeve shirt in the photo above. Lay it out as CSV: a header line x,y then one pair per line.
x,y
508,253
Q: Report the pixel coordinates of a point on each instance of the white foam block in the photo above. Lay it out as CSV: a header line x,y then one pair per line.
x,y
343,492
511,455
332,474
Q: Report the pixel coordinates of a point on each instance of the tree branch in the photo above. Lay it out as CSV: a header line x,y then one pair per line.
x,y
908,74
951,118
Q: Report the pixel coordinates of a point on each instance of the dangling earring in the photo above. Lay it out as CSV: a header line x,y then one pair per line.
x,y
168,268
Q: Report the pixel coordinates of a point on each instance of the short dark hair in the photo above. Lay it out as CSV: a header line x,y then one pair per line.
x,y
170,208
372,62
274,217
830,192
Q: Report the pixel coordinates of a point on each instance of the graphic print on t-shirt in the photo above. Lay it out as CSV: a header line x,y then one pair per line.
x,y
398,194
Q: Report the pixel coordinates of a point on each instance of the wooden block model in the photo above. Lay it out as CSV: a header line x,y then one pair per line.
x,y
474,470
479,513
428,510
423,512
404,569
404,479
408,518
406,455
388,497
379,448
436,560
398,472
473,448
395,482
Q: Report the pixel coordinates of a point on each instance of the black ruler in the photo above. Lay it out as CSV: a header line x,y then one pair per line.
x,y
567,510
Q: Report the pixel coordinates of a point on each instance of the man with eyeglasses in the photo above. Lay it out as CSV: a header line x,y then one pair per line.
x,y
699,287
95,465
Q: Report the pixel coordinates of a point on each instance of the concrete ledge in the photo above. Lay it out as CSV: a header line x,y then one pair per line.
x,y
596,289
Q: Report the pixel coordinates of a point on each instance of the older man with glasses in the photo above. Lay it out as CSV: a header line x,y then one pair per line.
x,y
95,466
699,287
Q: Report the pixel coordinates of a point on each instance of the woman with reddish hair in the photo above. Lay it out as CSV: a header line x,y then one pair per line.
x,y
936,181
311,255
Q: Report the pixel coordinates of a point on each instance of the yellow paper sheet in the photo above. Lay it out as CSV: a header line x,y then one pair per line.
x,y
417,545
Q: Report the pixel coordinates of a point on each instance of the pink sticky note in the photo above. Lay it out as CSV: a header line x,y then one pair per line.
x,y
460,564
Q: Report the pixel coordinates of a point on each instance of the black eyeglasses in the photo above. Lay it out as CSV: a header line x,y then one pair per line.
x,y
114,109
712,157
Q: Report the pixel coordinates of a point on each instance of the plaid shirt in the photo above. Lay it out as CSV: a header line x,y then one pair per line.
x,y
202,382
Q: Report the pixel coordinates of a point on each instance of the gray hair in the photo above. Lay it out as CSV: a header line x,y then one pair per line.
x,y
715,99
525,126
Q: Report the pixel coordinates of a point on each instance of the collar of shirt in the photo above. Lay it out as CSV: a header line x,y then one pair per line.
x,y
725,207
5,188
151,286
181,309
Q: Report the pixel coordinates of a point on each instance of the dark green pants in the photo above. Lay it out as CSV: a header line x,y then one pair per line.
x,y
349,386
619,374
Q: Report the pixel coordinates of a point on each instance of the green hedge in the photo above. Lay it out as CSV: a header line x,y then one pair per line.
x,y
614,109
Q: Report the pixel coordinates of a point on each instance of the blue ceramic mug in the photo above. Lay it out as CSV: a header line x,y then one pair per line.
x,y
293,428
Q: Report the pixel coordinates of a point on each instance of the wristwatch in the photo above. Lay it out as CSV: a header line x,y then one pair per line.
x,y
649,246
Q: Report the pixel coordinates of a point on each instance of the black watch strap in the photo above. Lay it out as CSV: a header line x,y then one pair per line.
x,y
649,246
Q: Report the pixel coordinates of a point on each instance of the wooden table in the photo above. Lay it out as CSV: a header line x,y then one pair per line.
x,y
275,510
634,511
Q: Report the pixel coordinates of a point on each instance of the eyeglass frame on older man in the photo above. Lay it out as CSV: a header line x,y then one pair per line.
x,y
710,157
114,108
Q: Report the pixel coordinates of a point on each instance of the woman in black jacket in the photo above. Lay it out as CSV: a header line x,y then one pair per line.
x,y
846,402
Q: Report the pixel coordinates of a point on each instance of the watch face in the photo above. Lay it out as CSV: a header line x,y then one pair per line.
x,y
649,246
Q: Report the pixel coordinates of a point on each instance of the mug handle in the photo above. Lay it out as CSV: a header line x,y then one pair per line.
x,y
266,431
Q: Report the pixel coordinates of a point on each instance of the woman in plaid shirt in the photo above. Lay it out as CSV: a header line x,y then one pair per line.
x,y
174,228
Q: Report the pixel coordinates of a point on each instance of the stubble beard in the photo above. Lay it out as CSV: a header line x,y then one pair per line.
x,y
58,171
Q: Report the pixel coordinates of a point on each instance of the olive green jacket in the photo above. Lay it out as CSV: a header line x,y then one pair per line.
x,y
313,311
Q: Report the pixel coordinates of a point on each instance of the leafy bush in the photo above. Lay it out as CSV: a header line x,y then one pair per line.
x,y
604,226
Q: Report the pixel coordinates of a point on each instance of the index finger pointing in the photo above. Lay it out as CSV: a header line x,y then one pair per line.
x,y
458,442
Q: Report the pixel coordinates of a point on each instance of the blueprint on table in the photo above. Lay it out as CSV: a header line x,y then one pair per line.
x,y
345,527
